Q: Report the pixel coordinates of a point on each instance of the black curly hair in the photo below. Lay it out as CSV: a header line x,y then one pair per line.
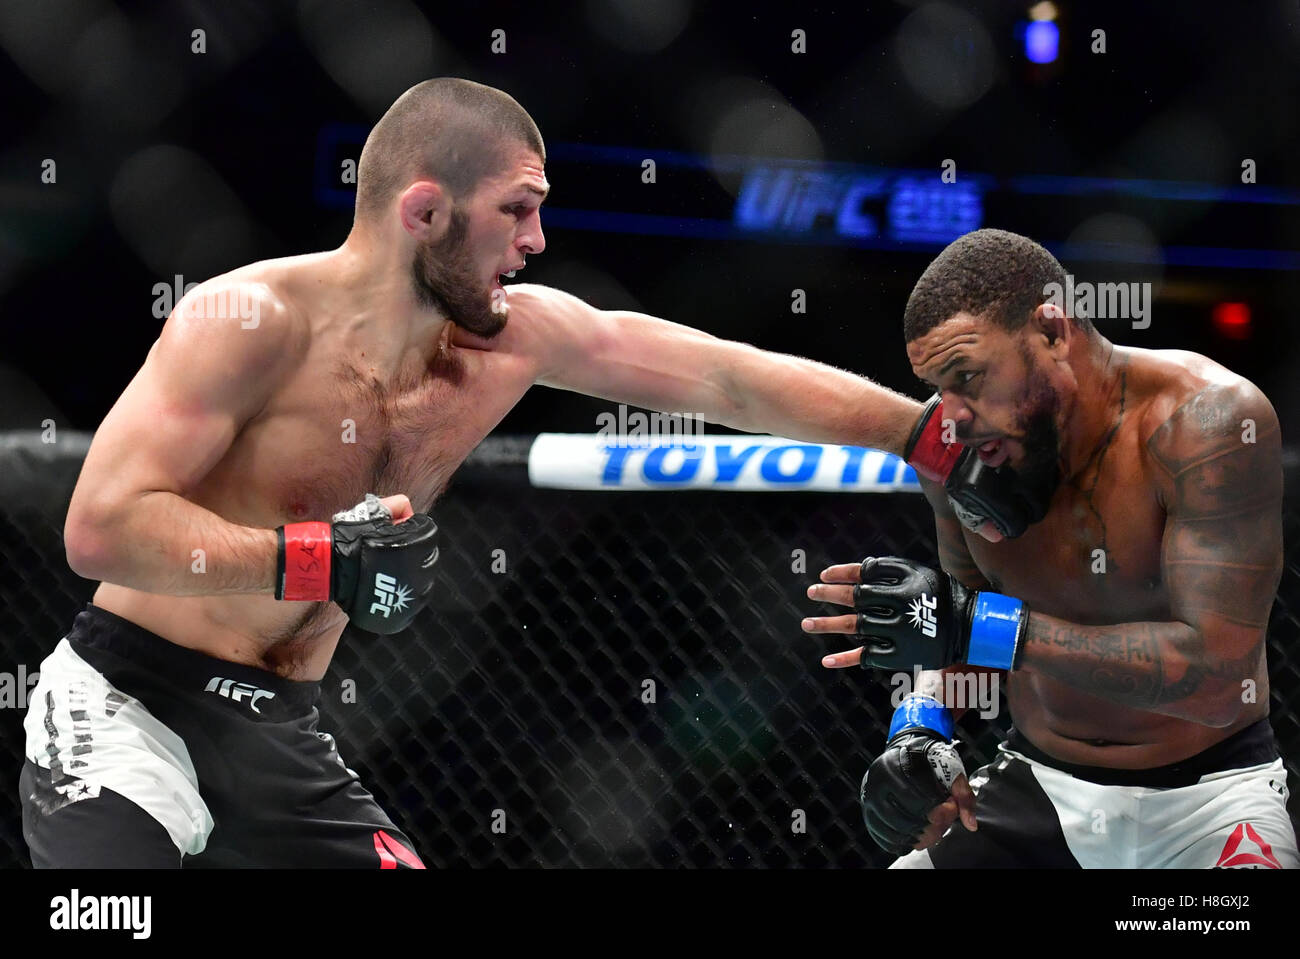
x,y
992,274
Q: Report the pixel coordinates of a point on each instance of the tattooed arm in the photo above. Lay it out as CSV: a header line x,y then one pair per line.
x,y
1218,465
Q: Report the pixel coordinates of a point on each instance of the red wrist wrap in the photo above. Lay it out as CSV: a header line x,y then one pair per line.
x,y
930,455
307,553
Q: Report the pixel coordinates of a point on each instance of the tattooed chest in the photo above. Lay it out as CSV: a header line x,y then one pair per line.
x,y
1088,561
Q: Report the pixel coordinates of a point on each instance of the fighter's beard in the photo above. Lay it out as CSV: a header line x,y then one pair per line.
x,y
1040,472
446,280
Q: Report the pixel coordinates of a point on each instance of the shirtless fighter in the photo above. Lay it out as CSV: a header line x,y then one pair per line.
x,y
176,721
1130,621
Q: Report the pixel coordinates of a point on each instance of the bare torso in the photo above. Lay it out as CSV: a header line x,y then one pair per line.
x,y
1115,505
350,421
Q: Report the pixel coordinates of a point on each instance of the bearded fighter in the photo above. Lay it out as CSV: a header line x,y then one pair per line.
x,y
266,477
1128,625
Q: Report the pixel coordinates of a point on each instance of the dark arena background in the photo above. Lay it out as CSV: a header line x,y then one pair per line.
x,y
780,177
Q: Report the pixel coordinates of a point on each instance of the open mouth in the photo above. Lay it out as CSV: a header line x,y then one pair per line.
x,y
498,285
994,452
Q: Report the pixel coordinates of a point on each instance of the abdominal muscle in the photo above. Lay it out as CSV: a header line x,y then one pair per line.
x,y
293,640
1099,733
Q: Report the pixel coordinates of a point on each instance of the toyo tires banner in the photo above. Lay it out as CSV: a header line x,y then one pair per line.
x,y
590,461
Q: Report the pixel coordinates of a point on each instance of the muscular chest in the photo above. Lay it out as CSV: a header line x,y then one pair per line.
x,y
397,439
355,435
1095,558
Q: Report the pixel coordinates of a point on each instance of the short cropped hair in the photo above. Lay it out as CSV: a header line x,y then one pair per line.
x,y
454,131
991,274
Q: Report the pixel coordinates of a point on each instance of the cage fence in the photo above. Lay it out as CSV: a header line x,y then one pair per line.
x,y
612,679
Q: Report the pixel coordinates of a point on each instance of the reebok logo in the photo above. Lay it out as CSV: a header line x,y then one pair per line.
x,y
391,852
1246,849
922,612
390,596
237,692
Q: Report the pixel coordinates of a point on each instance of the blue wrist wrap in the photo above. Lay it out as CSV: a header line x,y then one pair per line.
x,y
994,631
922,712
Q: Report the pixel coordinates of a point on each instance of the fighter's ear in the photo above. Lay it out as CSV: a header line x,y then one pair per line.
x,y
1049,320
424,209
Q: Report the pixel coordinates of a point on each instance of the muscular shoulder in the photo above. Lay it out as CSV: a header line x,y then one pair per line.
x,y
543,323
534,303
238,323
1190,397
1197,412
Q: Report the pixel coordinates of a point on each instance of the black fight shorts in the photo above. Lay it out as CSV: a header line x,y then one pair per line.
x,y
142,753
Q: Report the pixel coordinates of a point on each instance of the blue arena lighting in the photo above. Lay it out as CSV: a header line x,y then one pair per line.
x,y
828,203
1042,38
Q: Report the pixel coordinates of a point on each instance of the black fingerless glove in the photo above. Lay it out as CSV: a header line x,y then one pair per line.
x,y
911,615
380,573
913,775
976,491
